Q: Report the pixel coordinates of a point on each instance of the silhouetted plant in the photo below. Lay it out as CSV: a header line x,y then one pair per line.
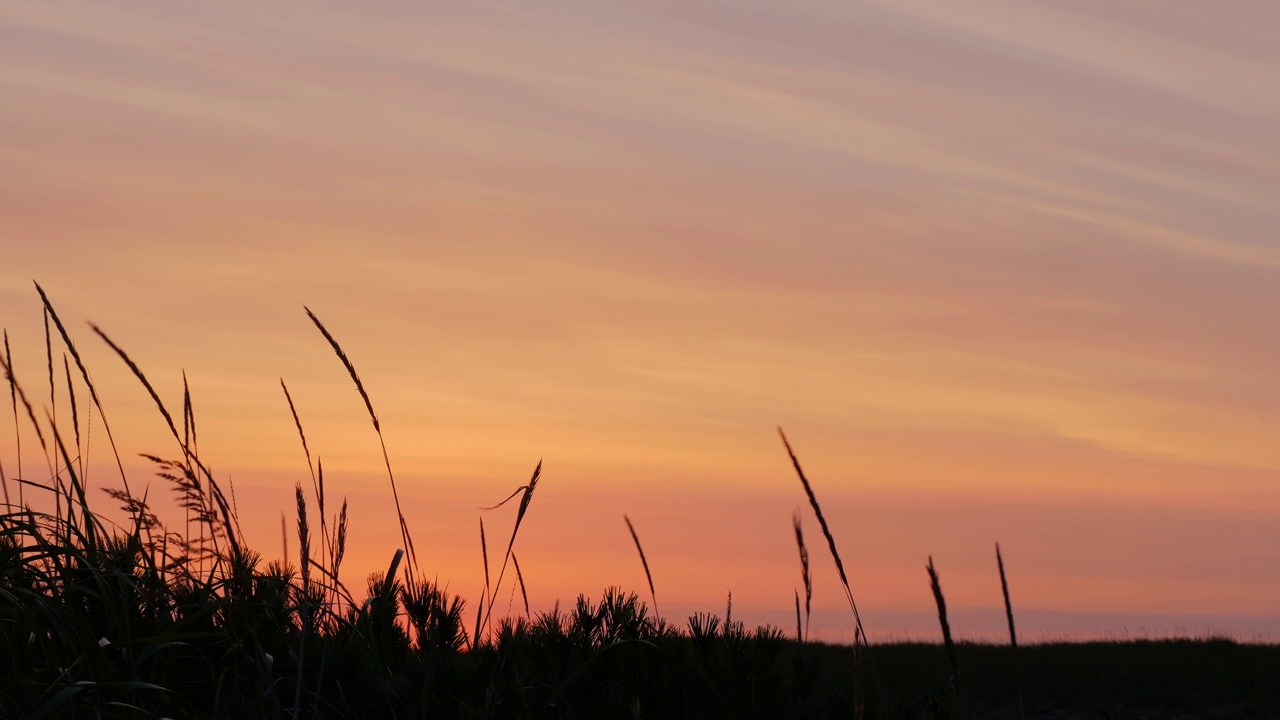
x,y
184,620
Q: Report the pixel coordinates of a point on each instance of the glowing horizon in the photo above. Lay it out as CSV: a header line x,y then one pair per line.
x,y
1007,274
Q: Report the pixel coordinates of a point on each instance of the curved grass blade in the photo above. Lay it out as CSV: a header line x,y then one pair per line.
x,y
643,561
377,428
84,375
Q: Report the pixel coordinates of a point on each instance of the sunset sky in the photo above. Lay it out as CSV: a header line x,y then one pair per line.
x,y
1003,271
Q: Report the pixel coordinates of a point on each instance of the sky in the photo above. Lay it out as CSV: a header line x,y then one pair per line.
x,y
1003,271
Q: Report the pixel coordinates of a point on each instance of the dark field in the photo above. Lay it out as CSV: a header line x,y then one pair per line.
x,y
606,659
1137,679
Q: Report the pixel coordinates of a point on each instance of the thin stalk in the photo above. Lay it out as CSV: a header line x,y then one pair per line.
x,y
317,482
304,554
860,634
13,398
799,625
1013,634
525,499
48,354
84,374
377,428
936,586
75,412
805,574
644,562
484,556
524,595
221,507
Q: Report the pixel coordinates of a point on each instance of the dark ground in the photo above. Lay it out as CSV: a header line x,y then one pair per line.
x,y
1140,679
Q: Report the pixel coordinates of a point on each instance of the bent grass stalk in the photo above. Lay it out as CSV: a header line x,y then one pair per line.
x,y
317,482
525,499
644,562
220,505
859,634
84,375
377,428
826,530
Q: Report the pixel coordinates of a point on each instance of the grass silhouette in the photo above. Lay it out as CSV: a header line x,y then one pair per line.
x,y
151,620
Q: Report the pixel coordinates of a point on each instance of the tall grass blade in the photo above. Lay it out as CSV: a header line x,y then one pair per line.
x,y
484,554
304,555
826,531
1013,633
377,428
859,635
487,592
90,527
190,437
223,507
339,540
75,411
805,574
390,580
644,562
475,637
13,398
525,499
53,417
317,481
142,378
301,435
524,595
48,356
799,625
84,375
941,602
31,415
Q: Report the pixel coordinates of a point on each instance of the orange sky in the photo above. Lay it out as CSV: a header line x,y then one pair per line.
x,y
1004,271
